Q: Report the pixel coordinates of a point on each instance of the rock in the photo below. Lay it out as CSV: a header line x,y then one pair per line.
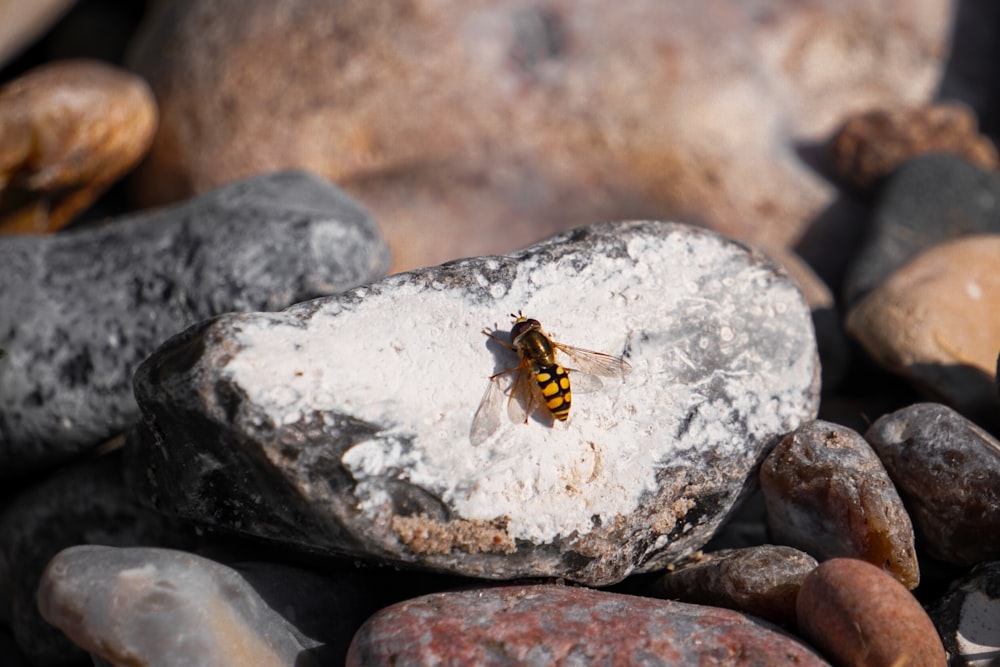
x,y
936,321
828,494
85,503
481,128
548,624
68,130
343,424
149,606
83,308
947,471
968,618
927,201
872,144
762,581
857,614
25,21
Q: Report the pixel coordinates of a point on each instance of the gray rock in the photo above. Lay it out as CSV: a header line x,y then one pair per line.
x,y
343,424
80,310
162,607
85,503
947,471
968,618
560,625
762,581
828,494
928,200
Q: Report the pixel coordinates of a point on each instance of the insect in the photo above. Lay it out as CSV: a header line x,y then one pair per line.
x,y
540,380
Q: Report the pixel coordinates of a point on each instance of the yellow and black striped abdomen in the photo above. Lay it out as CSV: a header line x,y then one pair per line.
x,y
554,384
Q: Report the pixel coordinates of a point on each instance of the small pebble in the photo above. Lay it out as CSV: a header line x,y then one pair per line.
x,y
828,494
936,322
947,471
872,144
70,130
968,618
762,581
860,616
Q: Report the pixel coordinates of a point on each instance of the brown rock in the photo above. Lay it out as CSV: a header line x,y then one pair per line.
x,y
67,131
481,127
762,581
828,494
947,470
859,616
936,321
559,625
24,21
872,144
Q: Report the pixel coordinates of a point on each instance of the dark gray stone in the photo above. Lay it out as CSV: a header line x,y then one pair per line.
x,y
928,200
85,503
947,471
162,607
968,618
343,424
828,494
762,581
81,309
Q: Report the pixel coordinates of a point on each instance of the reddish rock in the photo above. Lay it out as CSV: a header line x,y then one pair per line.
x,y
829,495
68,130
859,616
762,580
482,127
872,144
550,624
947,470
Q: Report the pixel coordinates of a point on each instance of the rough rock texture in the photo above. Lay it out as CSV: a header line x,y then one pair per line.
x,y
343,424
763,581
936,321
80,310
828,494
544,625
947,471
968,618
85,503
871,145
145,606
481,127
856,614
68,130
929,200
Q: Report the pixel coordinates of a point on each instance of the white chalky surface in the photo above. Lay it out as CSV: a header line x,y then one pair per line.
x,y
412,358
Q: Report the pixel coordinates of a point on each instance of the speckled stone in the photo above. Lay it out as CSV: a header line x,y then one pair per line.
x,y
146,606
829,495
947,471
546,625
344,424
762,581
968,618
81,309
859,616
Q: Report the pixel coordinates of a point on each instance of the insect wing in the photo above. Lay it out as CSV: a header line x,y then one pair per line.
x,y
487,420
523,395
593,363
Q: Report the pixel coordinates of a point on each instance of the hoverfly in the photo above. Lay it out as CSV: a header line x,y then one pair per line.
x,y
539,379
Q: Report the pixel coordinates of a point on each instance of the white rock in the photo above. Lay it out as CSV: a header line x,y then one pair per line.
x,y
723,361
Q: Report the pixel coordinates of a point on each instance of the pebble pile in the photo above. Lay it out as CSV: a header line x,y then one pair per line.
x,y
227,436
